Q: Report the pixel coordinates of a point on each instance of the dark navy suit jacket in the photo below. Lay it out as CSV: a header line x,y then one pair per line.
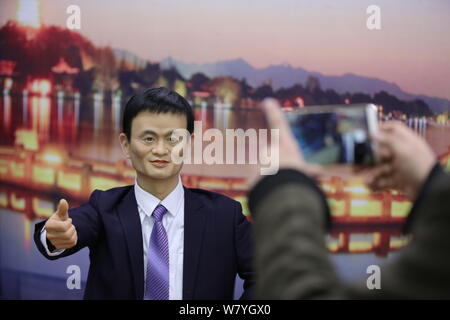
x,y
217,245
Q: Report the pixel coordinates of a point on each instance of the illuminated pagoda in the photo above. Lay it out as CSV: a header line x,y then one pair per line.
x,y
64,75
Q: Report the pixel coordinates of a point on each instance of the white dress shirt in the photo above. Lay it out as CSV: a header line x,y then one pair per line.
x,y
173,222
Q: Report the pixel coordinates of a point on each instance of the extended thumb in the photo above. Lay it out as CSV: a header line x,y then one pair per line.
x,y
62,211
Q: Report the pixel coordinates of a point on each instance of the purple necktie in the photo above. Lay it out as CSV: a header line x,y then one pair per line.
x,y
157,282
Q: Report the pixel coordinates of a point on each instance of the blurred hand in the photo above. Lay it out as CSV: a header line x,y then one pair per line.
x,y
405,160
60,230
289,155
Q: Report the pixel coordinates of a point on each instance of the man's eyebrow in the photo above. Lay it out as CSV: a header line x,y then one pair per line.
x,y
145,132
148,131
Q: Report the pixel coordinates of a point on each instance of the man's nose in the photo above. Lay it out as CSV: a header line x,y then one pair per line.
x,y
160,148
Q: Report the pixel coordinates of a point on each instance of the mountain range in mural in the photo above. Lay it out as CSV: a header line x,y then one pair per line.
x,y
285,75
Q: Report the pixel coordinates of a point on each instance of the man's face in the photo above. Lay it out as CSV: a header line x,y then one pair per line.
x,y
150,145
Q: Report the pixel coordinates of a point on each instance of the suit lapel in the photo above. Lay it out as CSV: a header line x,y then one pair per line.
x,y
194,224
129,217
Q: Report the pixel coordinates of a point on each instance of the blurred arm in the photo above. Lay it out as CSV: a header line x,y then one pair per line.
x,y
292,261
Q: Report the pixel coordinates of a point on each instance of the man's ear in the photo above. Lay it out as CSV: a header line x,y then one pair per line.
x,y
125,145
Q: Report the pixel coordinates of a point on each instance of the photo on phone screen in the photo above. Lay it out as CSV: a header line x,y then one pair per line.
x,y
335,134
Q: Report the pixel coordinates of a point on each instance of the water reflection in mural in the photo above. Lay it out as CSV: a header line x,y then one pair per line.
x,y
66,146
58,144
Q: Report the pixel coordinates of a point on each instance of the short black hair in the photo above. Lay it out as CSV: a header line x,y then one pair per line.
x,y
156,100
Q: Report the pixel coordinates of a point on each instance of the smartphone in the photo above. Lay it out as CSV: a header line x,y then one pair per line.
x,y
336,134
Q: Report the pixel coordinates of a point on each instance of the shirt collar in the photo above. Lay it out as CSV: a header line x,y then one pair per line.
x,y
148,202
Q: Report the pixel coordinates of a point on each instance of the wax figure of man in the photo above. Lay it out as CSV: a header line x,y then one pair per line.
x,y
155,239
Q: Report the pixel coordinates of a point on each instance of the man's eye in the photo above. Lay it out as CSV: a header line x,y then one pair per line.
x,y
149,139
172,139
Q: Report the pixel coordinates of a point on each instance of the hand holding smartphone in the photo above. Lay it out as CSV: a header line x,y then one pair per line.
x,y
336,134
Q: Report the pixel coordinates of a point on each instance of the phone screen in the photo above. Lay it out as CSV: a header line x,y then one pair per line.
x,y
333,135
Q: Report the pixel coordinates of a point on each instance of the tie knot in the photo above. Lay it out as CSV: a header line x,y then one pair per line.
x,y
159,212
